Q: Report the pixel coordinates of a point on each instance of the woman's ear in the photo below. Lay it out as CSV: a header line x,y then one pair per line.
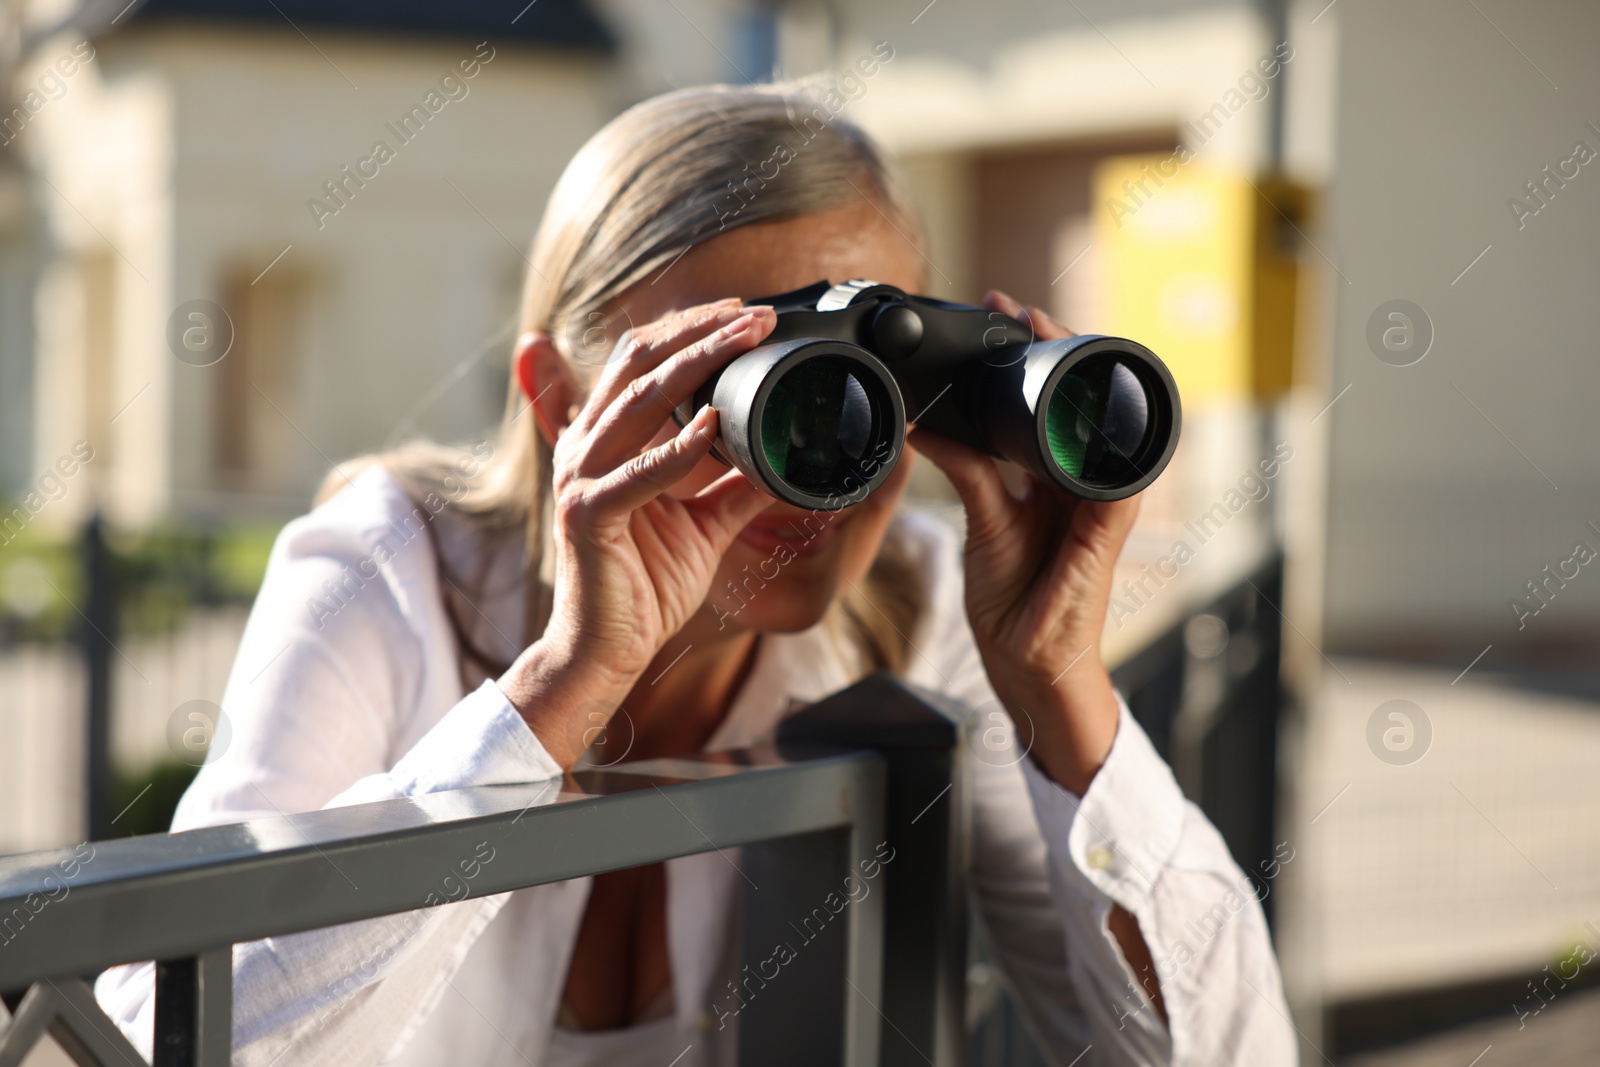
x,y
545,382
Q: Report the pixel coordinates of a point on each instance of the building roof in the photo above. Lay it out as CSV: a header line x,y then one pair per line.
x,y
567,23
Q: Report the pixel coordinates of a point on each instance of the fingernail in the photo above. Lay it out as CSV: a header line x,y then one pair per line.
x,y
739,322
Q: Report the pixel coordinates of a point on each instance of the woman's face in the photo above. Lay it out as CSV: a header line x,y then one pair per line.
x,y
789,563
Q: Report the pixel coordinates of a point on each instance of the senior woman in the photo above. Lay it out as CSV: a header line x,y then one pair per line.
x,y
452,619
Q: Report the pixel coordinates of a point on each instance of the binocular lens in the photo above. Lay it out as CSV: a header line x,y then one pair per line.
x,y
817,415
1097,420
818,424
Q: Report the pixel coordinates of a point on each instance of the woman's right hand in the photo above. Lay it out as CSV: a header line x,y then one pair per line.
x,y
633,564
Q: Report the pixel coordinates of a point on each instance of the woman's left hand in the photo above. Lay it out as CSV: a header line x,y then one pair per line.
x,y
1038,577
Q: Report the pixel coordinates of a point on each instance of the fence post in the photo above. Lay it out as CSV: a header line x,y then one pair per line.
x,y
1229,765
97,639
194,1010
802,947
923,996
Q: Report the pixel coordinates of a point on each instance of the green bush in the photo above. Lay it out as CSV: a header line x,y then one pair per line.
x,y
161,573
150,813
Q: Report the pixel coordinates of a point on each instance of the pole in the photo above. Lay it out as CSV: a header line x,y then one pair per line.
x,y
96,639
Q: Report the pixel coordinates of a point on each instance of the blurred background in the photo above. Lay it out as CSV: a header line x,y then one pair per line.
x,y
1362,233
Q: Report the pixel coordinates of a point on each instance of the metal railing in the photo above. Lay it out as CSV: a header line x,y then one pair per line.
x,y
875,765
870,766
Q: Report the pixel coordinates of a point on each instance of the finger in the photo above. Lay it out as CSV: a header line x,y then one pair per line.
x,y
726,506
641,349
990,506
682,373
635,417
1044,327
1102,528
644,477
995,300
1106,524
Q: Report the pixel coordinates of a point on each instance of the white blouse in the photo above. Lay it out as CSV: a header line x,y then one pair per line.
x,y
347,690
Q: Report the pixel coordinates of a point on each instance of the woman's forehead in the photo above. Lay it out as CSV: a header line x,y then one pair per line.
x,y
774,257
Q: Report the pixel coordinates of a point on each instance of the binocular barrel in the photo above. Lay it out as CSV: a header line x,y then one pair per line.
x,y
817,415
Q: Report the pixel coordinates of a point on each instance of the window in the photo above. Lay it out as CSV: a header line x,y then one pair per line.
x,y
256,408
99,273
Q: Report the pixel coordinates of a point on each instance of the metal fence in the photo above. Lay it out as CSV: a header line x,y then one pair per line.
x,y
125,627
877,763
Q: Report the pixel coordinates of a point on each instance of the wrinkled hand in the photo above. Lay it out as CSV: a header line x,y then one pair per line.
x,y
1038,578
632,563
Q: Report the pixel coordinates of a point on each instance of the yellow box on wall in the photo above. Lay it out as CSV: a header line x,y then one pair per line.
x,y
1199,265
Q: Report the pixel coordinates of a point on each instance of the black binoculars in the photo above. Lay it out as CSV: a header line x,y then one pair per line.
x,y
817,413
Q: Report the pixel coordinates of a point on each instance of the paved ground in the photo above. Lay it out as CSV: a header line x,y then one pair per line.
x,y
1479,860
1565,1034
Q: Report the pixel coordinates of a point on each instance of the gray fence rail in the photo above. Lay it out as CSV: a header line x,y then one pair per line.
x,y
870,766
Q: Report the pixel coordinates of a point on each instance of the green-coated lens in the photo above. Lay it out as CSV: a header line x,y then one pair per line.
x,y
817,425
775,423
1097,420
1064,427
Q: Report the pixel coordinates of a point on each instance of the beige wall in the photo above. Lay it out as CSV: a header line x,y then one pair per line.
x,y
189,156
1438,510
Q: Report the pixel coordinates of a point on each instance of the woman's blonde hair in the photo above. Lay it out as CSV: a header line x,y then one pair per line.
x,y
663,176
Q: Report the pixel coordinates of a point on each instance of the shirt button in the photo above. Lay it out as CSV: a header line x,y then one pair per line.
x,y
1098,858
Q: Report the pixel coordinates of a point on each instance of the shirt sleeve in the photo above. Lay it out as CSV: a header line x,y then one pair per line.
x,y
1047,867
350,994
1133,840
316,728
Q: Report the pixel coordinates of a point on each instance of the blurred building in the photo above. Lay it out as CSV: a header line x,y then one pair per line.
x,y
210,174
344,218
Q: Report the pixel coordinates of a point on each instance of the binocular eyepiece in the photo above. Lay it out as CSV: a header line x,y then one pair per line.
x,y
817,413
